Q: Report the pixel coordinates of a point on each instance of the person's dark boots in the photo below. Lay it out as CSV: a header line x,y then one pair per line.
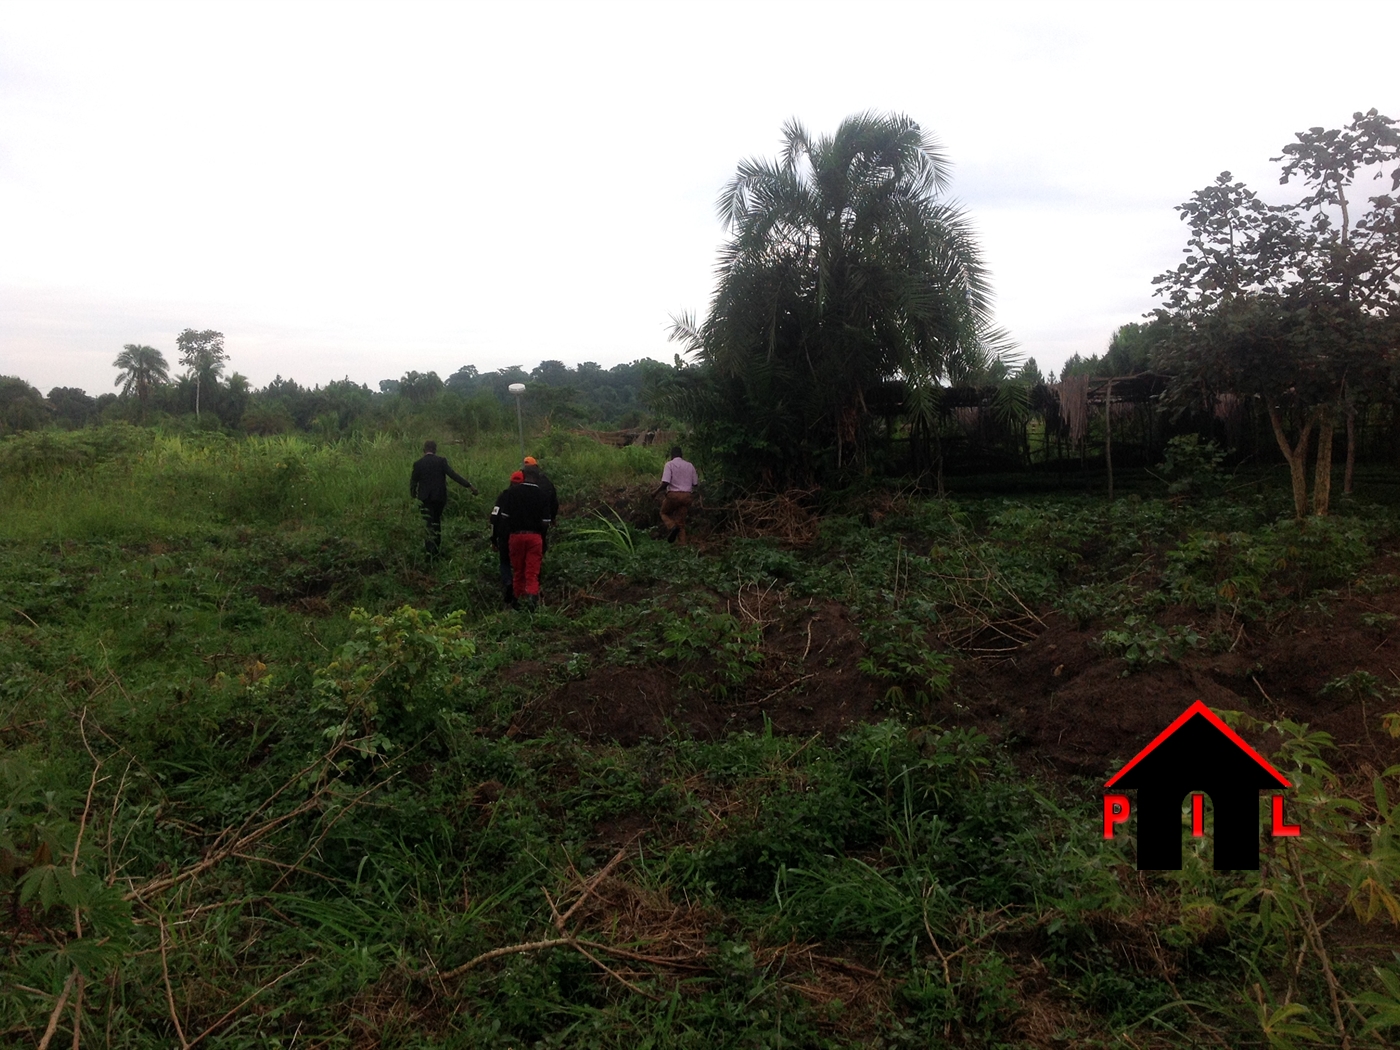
x,y
508,596
671,537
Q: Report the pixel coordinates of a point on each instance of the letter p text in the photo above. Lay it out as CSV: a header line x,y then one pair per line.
x,y
1115,811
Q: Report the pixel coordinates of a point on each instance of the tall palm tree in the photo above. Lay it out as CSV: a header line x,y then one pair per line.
x,y
139,368
845,268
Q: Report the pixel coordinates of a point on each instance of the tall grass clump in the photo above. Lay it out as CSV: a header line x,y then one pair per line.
x,y
123,483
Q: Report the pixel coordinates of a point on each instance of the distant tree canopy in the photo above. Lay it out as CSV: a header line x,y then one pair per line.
x,y
203,355
149,394
140,369
850,327
71,406
1294,304
22,407
1132,349
600,396
845,268
468,402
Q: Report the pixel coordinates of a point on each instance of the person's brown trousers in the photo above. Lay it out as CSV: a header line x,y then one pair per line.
x,y
674,508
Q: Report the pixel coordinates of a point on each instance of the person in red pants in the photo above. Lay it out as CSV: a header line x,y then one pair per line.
x,y
525,515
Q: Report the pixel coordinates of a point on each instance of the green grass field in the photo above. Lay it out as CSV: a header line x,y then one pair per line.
x,y
270,778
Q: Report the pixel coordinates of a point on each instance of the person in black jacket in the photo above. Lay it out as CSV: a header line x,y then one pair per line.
x,y
500,542
428,485
542,480
537,477
525,516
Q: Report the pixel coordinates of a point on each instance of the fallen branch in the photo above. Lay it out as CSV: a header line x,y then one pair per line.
x,y
78,1012
330,824
592,883
169,993
775,692
210,860
510,949
245,1002
613,973
567,940
57,1011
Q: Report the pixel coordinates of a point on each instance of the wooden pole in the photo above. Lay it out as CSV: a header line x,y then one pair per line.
x,y
1108,434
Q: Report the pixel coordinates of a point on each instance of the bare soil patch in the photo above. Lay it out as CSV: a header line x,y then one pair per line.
x,y
808,683
1060,703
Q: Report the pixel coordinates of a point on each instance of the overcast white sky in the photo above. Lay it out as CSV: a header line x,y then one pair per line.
x,y
362,189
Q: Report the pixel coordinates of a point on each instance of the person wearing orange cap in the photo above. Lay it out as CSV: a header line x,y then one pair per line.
x,y
534,474
525,515
500,542
542,480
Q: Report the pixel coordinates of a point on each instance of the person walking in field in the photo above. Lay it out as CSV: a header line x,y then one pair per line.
x,y
525,516
428,485
536,476
678,481
542,480
500,541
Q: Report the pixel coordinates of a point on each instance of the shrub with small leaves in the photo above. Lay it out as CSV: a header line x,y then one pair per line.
x,y
1357,686
388,682
1142,642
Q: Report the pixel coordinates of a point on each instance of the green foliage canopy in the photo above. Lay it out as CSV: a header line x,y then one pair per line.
x,y
22,407
1295,304
139,370
844,268
203,354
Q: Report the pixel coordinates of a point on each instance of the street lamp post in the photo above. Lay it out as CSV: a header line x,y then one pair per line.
x,y
518,389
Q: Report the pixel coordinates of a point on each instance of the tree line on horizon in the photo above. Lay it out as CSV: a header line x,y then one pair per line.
x,y
851,332
208,396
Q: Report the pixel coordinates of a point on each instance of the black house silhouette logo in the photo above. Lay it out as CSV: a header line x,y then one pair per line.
x,y
1198,754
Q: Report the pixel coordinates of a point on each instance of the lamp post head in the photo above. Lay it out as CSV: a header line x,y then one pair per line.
x,y
516,388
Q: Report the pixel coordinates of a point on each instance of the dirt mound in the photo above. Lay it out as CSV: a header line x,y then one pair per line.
x,y
808,682
634,504
1061,703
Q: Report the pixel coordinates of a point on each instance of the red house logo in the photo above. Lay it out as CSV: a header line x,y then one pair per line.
x,y
1200,755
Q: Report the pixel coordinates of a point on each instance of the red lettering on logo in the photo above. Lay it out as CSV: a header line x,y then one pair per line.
x,y
1198,815
1282,830
1115,811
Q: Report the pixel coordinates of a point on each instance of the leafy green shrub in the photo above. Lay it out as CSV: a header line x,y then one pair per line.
x,y
1108,600
268,482
76,921
917,673
1357,686
1383,622
1141,642
1192,466
1376,583
1321,552
49,453
1222,570
389,682
714,640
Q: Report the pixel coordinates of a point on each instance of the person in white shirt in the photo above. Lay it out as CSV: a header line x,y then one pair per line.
x,y
678,481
